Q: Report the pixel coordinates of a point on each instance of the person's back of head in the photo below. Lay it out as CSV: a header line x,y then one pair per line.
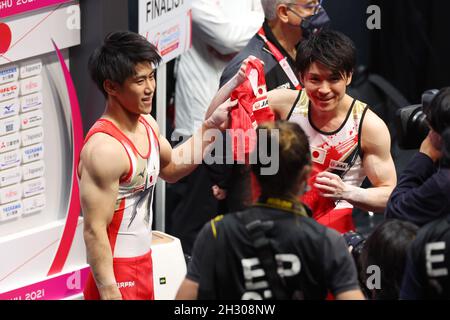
x,y
330,48
438,111
294,158
386,248
117,57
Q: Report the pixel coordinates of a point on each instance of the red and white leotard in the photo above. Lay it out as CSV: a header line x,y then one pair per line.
x,y
338,152
130,230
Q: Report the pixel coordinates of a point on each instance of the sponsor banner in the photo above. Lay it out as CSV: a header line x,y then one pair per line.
x,y
33,204
166,24
31,102
30,69
9,125
33,187
57,288
31,119
9,74
9,91
10,142
30,85
10,8
9,108
9,177
32,136
10,159
33,170
10,194
10,211
33,153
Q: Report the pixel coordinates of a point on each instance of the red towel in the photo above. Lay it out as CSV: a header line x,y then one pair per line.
x,y
251,110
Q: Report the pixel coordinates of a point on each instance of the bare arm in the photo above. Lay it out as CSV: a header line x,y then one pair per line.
x,y
181,161
188,290
350,295
281,101
99,185
378,166
225,91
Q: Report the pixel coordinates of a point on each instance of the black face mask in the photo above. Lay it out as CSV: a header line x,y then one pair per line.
x,y
314,23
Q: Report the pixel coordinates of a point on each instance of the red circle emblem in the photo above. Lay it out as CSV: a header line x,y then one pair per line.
x,y
315,154
5,37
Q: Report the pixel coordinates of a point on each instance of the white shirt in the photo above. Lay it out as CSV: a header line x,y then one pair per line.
x,y
223,26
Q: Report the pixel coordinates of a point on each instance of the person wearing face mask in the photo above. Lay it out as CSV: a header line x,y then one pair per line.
x,y
348,141
287,22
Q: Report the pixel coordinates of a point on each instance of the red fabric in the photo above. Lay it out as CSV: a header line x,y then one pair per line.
x,y
134,277
340,220
250,111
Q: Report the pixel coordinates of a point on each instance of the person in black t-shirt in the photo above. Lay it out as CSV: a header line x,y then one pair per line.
x,y
310,259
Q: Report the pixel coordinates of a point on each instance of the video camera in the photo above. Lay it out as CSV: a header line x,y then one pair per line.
x,y
411,124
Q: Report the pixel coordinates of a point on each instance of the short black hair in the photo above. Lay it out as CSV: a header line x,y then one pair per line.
x,y
438,111
331,48
117,57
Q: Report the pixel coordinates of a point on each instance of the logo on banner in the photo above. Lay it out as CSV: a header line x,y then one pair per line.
x,y
33,153
10,211
31,85
9,74
33,170
9,142
9,91
10,194
10,159
31,102
33,204
31,119
32,136
9,177
33,187
9,125
30,69
9,108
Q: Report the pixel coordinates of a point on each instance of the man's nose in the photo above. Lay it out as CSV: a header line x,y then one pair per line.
x,y
324,87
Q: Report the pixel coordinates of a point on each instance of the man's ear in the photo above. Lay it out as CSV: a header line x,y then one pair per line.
x,y
282,13
111,87
349,78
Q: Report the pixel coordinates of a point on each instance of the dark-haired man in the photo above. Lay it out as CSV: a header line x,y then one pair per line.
x,y
123,155
348,141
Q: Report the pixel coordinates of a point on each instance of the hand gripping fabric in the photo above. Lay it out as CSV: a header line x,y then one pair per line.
x,y
251,110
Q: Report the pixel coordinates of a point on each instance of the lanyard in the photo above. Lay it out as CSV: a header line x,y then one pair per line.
x,y
283,204
282,61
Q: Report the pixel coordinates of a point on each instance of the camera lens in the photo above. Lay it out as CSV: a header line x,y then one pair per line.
x,y
418,125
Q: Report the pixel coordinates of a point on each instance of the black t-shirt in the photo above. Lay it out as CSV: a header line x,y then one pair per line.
x,y
427,268
315,259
